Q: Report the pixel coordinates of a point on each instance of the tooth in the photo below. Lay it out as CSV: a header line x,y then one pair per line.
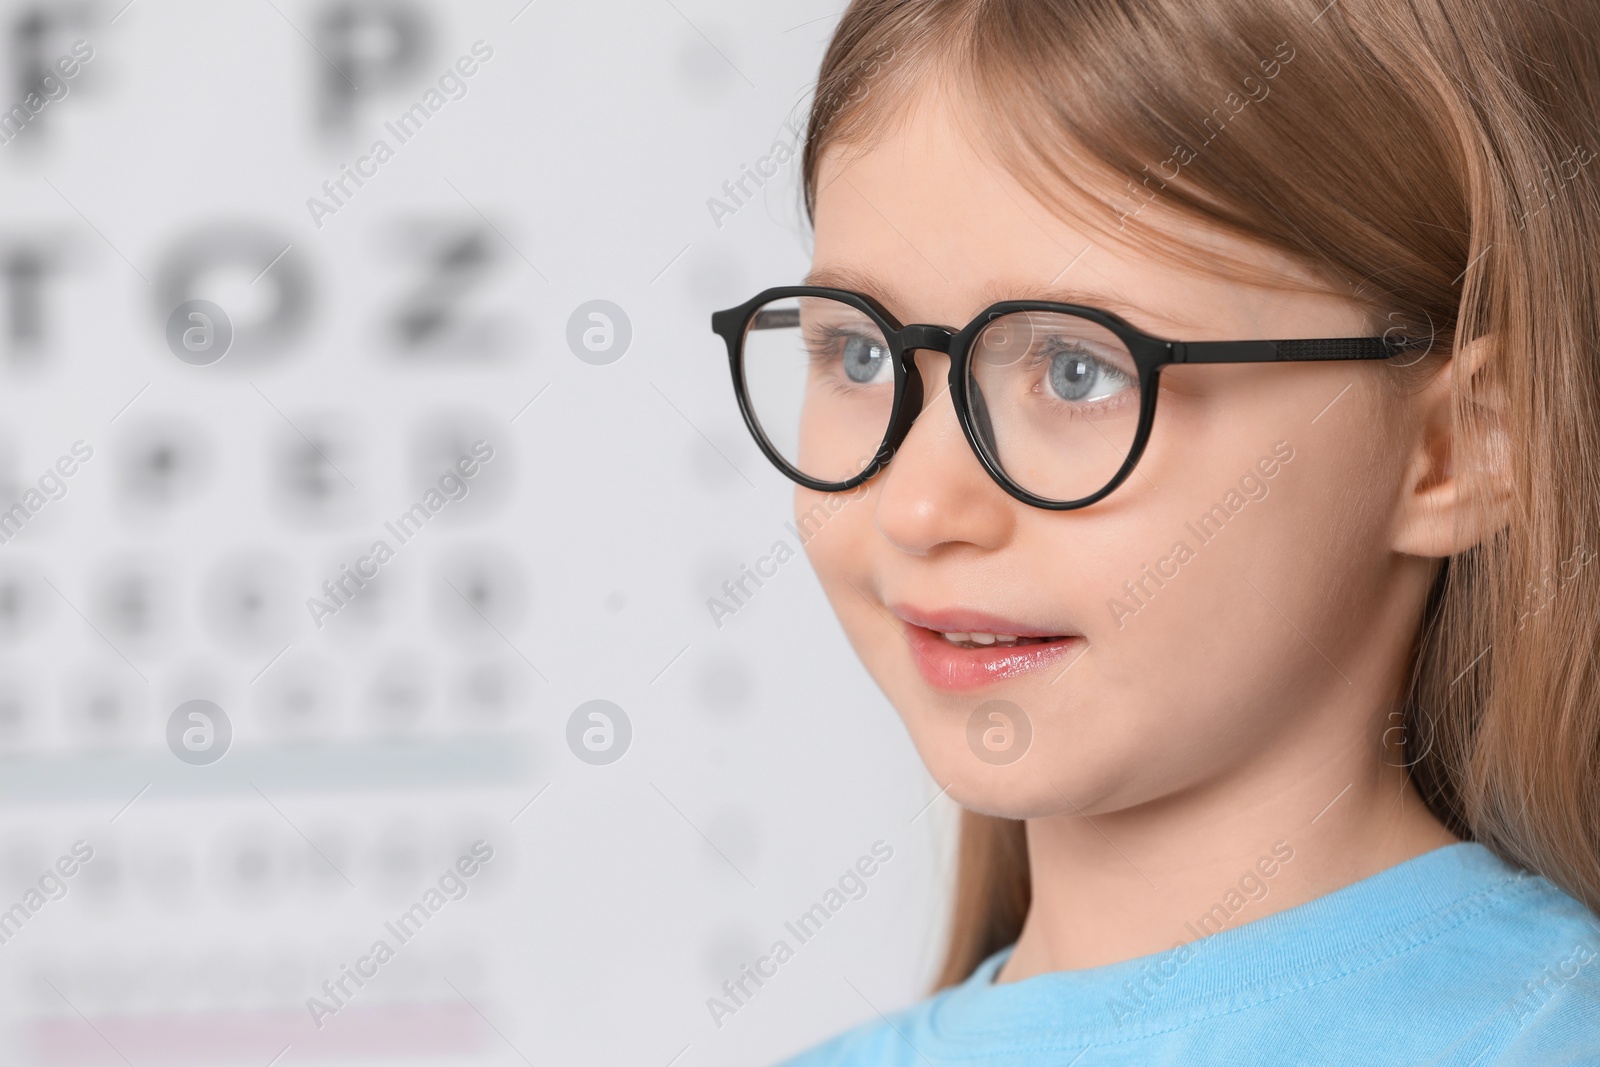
x,y
957,638
982,639
1006,639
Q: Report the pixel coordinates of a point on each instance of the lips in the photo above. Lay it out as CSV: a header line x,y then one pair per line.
x,y
986,648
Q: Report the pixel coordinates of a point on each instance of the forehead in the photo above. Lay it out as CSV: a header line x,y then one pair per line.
x,y
928,221
1063,291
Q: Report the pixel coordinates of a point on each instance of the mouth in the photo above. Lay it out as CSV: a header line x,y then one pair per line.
x,y
964,650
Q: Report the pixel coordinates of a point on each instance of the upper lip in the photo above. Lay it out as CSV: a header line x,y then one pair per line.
x,y
970,621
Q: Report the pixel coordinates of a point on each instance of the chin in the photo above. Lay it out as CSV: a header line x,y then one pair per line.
x,y
1017,790
1008,796
1071,762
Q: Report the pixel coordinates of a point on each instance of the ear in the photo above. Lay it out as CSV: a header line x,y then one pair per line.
x,y
1457,489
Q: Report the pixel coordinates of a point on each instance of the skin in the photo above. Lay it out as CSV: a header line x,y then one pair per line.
x,y
1251,702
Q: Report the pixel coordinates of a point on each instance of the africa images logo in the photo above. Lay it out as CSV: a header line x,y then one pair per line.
x,y
999,733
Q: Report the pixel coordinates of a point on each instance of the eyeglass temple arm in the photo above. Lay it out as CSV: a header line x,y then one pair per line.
x,y
1289,351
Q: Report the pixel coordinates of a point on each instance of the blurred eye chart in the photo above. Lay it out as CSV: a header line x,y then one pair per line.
x,y
405,655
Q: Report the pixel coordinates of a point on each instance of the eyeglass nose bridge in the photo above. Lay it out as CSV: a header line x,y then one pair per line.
x,y
914,338
921,335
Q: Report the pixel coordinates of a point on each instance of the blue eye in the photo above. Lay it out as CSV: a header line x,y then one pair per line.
x,y
1075,377
864,359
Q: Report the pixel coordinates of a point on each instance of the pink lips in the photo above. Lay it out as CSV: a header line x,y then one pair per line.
x,y
954,668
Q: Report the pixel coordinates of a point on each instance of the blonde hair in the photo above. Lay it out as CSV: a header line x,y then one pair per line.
x,y
1426,157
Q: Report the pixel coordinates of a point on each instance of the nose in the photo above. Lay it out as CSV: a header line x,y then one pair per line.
x,y
935,494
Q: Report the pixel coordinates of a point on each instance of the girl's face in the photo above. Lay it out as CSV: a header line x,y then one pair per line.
x,y
1236,606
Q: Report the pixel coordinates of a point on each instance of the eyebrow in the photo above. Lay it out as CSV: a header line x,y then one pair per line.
x,y
864,281
853,279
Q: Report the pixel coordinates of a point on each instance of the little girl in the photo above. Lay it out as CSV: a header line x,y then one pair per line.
x,y
1213,392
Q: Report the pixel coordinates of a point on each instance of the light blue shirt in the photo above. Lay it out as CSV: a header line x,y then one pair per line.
x,y
1450,958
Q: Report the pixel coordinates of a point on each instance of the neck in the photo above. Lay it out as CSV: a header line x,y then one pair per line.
x,y
1129,883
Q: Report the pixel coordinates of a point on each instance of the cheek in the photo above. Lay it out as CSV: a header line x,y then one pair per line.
x,y
841,543
1212,583
1209,612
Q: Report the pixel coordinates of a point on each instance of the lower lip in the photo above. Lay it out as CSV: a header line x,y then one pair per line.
x,y
955,669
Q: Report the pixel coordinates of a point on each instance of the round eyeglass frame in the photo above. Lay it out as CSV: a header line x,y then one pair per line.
x,y
1150,353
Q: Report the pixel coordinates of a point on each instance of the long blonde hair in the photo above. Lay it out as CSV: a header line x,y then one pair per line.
x,y
1431,158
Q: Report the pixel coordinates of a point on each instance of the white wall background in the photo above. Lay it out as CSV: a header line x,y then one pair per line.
x,y
369,753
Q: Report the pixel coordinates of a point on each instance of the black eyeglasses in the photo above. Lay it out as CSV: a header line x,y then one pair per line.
x,y
1056,400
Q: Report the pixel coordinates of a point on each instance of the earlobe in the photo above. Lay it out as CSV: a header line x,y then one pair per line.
x,y
1458,484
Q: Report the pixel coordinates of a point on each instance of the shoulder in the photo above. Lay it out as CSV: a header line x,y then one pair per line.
x,y
1554,1016
1535,926
885,1042
1521,959
903,1038
899,1039
1557,1020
